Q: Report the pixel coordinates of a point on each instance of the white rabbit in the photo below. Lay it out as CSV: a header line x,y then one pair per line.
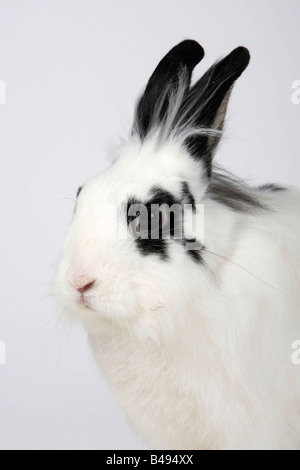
x,y
195,343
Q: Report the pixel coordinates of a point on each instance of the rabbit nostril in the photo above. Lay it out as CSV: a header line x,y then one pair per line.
x,y
80,280
83,288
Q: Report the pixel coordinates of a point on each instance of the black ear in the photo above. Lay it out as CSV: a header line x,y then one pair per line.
x,y
176,66
205,105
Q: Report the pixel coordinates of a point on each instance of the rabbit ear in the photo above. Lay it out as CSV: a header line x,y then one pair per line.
x,y
174,69
205,105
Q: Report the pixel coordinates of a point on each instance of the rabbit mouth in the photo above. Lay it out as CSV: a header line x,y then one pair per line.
x,y
85,302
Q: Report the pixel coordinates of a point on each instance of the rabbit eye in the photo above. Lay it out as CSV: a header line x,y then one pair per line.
x,y
154,223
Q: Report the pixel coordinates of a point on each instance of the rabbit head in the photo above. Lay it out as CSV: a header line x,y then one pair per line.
x,y
109,273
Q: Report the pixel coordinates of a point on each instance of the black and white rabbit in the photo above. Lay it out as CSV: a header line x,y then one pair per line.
x,y
194,334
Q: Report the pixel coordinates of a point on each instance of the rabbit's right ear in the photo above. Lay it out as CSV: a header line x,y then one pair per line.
x,y
203,109
173,74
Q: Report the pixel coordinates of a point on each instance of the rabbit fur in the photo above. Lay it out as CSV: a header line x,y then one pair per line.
x,y
195,344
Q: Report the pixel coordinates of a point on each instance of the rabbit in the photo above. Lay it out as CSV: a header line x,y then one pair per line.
x,y
194,334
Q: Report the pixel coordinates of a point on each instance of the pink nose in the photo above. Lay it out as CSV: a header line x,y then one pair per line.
x,y
82,288
81,281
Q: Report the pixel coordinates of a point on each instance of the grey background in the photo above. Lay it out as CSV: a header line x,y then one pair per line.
x,y
73,69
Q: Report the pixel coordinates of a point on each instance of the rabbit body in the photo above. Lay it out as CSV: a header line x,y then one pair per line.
x,y
196,344
215,371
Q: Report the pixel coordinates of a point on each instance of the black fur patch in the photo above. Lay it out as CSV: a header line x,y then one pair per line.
x,y
200,109
271,187
158,246
153,247
197,147
233,193
187,196
78,191
164,80
148,246
206,103
194,254
161,196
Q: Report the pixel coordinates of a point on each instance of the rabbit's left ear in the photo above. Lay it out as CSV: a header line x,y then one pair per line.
x,y
171,77
204,107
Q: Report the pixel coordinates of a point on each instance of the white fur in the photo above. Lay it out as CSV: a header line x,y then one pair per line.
x,y
199,356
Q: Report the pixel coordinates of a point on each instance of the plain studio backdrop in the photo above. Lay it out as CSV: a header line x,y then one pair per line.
x,y
73,70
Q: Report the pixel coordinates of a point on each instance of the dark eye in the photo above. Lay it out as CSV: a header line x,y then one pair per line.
x,y
79,191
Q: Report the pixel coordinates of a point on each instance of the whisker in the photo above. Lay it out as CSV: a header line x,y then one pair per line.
x,y
241,267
